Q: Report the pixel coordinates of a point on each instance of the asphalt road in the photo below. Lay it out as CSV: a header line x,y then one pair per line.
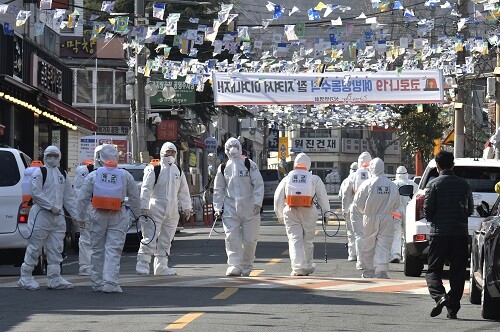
x,y
201,298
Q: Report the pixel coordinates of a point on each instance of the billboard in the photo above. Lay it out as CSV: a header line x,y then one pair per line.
x,y
349,88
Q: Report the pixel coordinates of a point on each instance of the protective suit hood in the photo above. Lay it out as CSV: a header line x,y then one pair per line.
x,y
376,167
167,146
364,159
353,168
401,173
232,142
104,153
302,159
50,161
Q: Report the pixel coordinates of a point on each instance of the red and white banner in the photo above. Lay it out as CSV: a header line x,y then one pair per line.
x,y
407,87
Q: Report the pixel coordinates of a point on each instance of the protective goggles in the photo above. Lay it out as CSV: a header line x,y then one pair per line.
x,y
169,153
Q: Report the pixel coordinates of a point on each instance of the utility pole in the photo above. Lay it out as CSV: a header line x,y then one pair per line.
x,y
140,108
497,98
459,142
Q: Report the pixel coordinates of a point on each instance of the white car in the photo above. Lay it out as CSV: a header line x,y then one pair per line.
x,y
482,175
13,217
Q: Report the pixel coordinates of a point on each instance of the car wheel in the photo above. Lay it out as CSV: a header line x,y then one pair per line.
x,y
41,267
413,266
474,291
489,305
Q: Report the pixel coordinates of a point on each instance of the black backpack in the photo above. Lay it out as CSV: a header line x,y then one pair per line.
x,y
157,169
247,165
44,173
44,177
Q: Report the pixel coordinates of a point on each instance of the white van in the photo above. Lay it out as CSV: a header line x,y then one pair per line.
x,y
481,174
12,219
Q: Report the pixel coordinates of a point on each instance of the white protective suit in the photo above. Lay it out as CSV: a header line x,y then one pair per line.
x,y
161,202
46,218
401,180
108,228
346,196
239,193
376,199
362,174
300,221
84,246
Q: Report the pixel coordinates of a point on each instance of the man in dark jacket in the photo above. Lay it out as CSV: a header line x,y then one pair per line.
x,y
447,206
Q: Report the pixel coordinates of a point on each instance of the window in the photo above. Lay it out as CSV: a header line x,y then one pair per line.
x,y
109,87
312,133
352,133
10,170
84,83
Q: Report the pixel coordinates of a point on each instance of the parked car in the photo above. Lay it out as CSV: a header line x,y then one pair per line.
x,y
484,286
272,178
482,175
13,217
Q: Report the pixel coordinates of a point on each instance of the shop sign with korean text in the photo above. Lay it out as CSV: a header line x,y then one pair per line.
x,y
167,130
386,87
316,144
184,92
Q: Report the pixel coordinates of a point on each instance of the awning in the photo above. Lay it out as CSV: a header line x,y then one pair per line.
x,y
71,113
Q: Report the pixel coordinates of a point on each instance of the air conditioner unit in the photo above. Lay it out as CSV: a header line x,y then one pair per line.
x,y
490,88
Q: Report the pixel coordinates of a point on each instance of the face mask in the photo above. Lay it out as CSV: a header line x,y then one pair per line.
x,y
233,152
170,160
52,161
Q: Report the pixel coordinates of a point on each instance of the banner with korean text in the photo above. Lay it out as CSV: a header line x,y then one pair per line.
x,y
406,87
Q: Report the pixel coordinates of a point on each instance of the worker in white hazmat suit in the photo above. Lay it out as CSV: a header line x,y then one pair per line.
x,y
107,187
376,199
46,218
238,196
362,174
293,205
161,198
84,246
400,214
346,196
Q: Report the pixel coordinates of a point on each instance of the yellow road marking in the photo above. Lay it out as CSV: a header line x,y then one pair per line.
x,y
183,321
317,232
274,261
225,293
255,273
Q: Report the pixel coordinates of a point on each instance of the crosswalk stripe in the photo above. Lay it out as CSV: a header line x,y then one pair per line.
x,y
319,283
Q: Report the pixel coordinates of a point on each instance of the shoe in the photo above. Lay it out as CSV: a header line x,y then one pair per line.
x,y
166,272
28,283
97,288
352,259
297,274
142,268
59,283
394,260
110,288
436,311
84,272
451,315
233,271
382,275
358,265
367,274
